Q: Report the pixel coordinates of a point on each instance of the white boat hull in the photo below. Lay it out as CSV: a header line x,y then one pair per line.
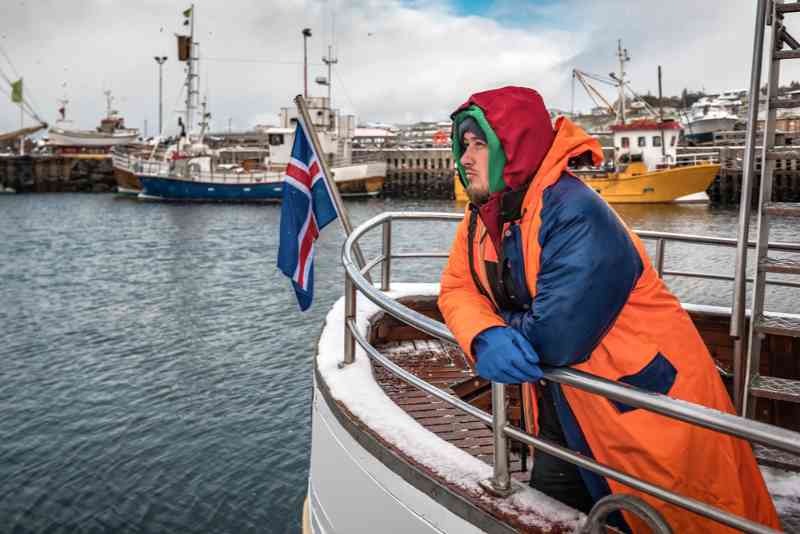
x,y
59,137
707,127
351,491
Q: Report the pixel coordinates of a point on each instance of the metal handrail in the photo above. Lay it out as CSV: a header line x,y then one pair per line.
x,y
681,410
163,168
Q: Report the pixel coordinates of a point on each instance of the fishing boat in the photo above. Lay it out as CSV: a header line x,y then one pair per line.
x,y
190,171
713,113
405,436
111,132
645,167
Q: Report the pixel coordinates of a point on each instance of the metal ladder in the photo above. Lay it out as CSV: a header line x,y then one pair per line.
x,y
752,384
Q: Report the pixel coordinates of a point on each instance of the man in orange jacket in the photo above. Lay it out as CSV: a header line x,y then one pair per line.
x,y
543,272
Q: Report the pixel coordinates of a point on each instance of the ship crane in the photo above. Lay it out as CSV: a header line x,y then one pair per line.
x,y
597,97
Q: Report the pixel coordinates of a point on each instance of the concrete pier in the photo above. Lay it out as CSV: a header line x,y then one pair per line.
x,y
57,174
416,173
727,187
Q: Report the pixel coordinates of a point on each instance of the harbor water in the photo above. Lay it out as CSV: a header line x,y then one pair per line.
x,y
156,371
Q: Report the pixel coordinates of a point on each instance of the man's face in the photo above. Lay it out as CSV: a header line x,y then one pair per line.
x,y
475,161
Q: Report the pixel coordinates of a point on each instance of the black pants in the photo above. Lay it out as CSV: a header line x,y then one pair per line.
x,y
552,476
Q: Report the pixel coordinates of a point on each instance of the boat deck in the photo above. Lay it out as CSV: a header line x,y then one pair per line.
x,y
445,366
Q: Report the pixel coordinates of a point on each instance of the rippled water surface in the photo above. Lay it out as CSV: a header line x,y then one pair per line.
x,y
156,372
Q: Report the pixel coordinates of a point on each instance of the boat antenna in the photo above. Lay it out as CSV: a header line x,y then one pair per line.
x,y
330,61
109,102
661,115
572,101
622,55
191,76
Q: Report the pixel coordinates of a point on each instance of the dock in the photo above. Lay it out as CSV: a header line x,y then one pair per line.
x,y
66,173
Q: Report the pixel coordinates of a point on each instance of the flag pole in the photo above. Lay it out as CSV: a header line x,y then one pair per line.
x,y
21,126
344,218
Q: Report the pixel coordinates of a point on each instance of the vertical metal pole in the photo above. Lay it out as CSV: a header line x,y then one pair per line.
x,y
349,318
160,95
661,122
190,76
748,168
500,483
660,246
767,168
344,217
306,35
21,125
386,268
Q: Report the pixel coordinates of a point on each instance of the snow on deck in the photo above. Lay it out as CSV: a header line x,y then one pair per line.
x,y
355,387
785,490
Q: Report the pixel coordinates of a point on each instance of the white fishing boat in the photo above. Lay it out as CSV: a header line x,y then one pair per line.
x,y
111,132
406,438
191,171
709,115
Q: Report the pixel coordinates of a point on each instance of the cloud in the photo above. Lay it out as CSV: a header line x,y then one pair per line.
x,y
398,61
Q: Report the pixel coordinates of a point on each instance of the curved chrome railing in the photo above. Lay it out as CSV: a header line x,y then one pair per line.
x,y
500,484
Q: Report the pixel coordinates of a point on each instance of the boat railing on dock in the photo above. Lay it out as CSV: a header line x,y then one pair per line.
x,y
153,167
357,280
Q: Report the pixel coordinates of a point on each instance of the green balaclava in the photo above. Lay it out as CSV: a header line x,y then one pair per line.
x,y
497,158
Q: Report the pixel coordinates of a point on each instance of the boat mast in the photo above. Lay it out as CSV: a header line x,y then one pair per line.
x,y
191,77
661,116
330,61
109,101
622,54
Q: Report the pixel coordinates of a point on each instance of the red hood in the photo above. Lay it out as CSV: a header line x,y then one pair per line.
x,y
522,124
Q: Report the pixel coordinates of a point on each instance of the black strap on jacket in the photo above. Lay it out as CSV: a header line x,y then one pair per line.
x,y
499,273
473,224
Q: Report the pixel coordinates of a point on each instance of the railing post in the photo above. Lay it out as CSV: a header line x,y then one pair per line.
x,y
349,318
500,483
660,246
386,268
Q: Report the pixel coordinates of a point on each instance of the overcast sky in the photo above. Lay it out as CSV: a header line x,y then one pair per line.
x,y
399,61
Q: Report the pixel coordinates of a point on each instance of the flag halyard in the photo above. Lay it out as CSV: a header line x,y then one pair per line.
x,y
306,209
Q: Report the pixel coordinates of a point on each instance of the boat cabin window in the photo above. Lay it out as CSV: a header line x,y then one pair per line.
x,y
275,139
672,141
656,140
626,143
641,141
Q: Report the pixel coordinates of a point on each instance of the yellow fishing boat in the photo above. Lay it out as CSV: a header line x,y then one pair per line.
x,y
638,185
645,169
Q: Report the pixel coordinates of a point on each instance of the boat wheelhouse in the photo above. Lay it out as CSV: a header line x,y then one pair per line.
x,y
406,438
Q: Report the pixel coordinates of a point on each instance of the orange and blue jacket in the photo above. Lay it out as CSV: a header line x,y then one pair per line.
x,y
596,304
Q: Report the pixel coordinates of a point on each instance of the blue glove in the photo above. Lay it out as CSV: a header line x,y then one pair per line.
x,y
504,355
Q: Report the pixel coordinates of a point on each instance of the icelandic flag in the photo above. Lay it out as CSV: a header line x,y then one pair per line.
x,y
307,207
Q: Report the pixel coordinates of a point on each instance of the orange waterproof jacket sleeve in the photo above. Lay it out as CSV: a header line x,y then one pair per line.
x,y
466,312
